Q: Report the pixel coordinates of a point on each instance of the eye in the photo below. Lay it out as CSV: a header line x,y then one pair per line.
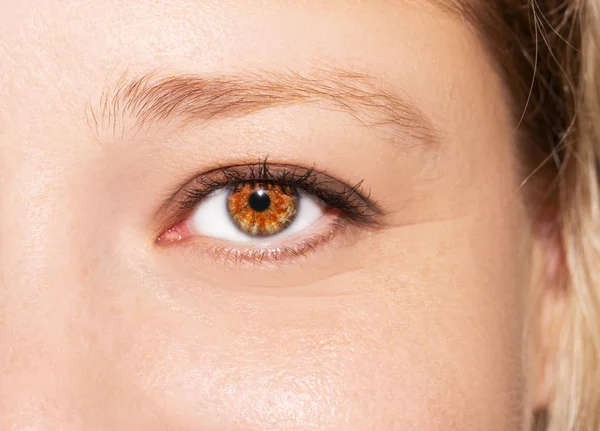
x,y
255,212
265,211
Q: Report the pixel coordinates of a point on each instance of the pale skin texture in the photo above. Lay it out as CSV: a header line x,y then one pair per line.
x,y
414,325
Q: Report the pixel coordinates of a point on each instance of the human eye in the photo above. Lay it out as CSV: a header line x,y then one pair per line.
x,y
264,211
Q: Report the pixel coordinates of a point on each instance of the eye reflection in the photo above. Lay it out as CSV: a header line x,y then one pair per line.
x,y
263,209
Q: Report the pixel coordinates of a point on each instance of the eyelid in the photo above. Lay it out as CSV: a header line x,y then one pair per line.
x,y
355,204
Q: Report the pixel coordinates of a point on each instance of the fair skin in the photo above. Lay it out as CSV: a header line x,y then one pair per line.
x,y
412,323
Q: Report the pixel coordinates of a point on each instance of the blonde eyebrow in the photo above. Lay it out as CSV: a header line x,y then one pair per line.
x,y
189,98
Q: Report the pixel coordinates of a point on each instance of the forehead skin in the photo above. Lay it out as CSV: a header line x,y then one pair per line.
x,y
415,326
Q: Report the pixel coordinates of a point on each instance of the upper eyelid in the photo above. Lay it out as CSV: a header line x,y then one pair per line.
x,y
280,173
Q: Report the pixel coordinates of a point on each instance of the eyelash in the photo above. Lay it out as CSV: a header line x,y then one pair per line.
x,y
354,206
350,201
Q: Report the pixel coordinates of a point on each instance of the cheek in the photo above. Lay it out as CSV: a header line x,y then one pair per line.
x,y
434,347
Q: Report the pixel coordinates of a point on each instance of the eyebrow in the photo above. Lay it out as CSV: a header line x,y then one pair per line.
x,y
190,98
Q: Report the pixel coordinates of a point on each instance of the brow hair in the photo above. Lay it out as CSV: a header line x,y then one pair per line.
x,y
189,98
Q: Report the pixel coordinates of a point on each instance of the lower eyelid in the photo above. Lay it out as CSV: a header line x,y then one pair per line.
x,y
183,233
273,253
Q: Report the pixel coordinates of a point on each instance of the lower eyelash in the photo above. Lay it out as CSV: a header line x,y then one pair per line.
x,y
234,256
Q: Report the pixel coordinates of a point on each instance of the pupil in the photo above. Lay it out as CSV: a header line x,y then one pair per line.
x,y
259,201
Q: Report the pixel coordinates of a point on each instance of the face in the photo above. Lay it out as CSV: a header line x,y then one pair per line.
x,y
232,215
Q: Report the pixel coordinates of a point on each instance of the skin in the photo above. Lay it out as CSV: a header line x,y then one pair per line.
x,y
415,324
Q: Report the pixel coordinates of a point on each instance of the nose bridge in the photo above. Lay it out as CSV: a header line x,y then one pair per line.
x,y
41,324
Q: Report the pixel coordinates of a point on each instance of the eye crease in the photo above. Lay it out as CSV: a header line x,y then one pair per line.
x,y
267,210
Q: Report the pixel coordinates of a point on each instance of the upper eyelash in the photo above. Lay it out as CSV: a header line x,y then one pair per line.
x,y
350,200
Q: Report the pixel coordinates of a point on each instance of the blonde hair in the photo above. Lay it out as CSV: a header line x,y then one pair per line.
x,y
576,401
548,52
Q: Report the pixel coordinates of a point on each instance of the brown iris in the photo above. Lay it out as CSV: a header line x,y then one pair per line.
x,y
262,209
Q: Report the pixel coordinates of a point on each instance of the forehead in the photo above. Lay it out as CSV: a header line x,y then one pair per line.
x,y
193,30
78,49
